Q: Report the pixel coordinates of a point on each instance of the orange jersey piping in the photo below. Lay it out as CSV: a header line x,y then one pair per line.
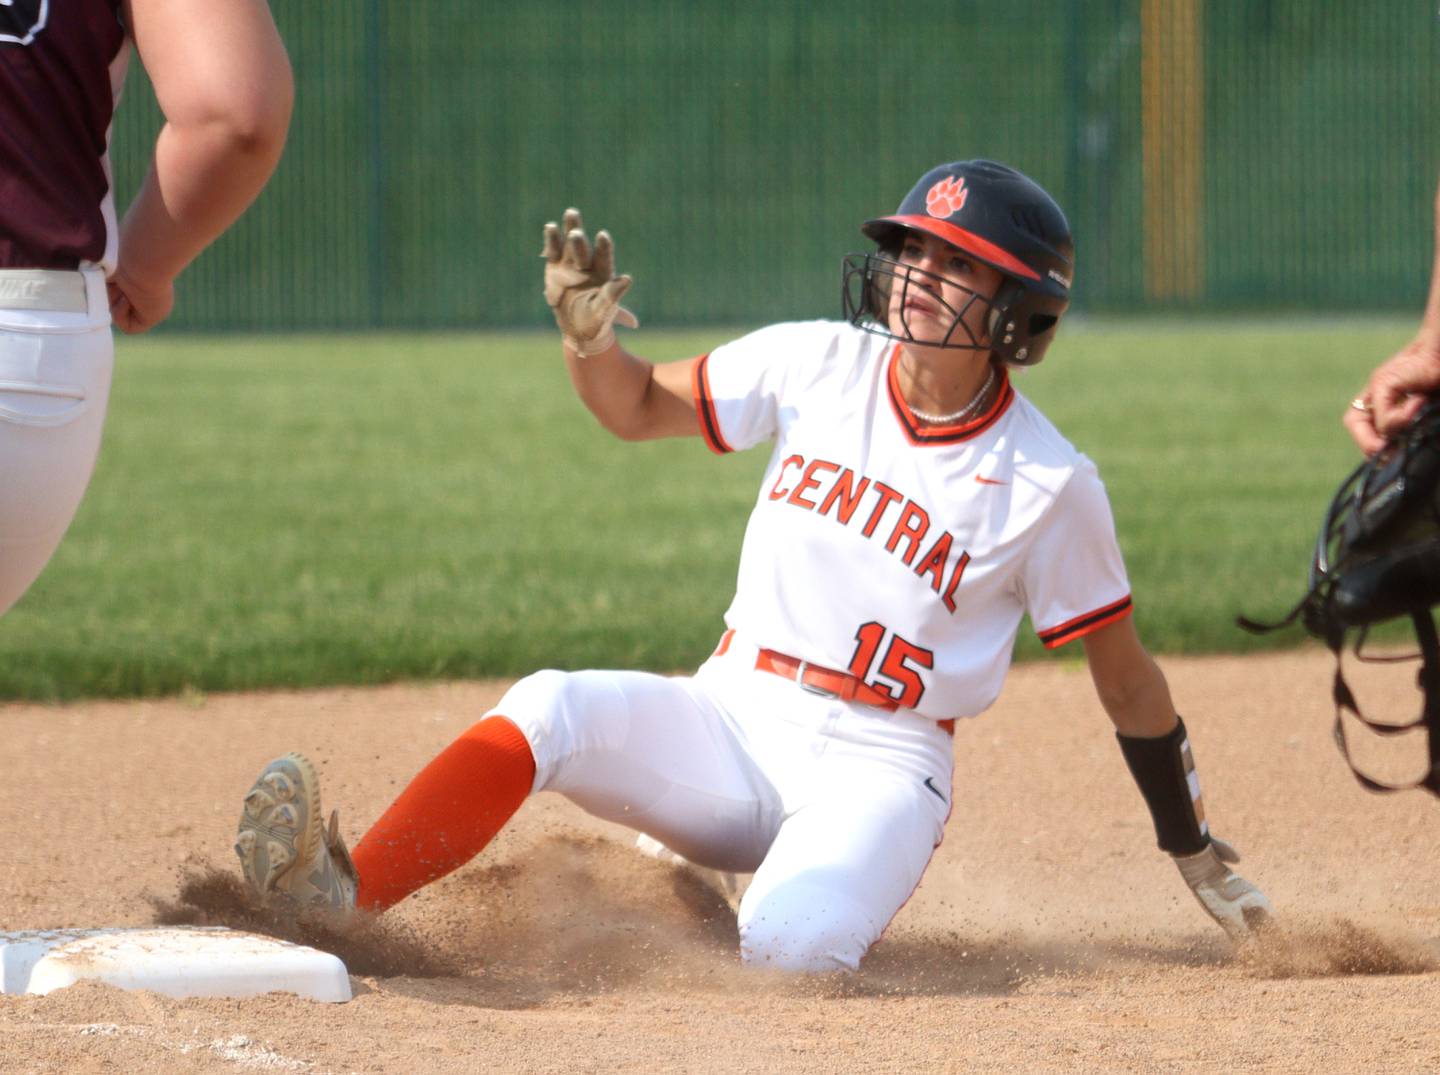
x,y
1082,625
705,407
917,433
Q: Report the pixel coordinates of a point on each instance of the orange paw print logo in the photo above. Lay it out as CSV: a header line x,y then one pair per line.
x,y
946,197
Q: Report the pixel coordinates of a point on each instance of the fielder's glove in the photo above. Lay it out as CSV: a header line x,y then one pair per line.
x,y
581,286
1239,907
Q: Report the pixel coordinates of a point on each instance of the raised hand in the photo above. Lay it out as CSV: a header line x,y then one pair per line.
x,y
581,287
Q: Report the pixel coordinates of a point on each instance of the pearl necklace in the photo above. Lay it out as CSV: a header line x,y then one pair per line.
x,y
944,419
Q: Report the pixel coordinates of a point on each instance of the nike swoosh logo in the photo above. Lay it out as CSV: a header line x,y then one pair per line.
x,y
989,481
930,783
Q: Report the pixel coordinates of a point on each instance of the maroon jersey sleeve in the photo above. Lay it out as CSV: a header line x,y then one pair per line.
x,y
56,102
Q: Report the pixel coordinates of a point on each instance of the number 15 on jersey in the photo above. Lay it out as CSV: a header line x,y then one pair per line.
x,y
901,664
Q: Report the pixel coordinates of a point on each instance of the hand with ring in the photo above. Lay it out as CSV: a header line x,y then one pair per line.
x,y
1397,390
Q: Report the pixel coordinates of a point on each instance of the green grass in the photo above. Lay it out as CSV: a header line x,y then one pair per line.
x,y
1220,447
307,510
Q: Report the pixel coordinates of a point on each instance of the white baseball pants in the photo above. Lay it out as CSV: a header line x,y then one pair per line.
x,y
56,357
835,807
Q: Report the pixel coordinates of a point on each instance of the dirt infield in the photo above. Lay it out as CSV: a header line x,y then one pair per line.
x,y
1048,935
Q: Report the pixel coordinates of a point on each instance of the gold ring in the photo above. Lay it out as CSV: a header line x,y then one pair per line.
x,y
1361,404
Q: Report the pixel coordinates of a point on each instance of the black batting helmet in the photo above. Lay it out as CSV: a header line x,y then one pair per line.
x,y
996,215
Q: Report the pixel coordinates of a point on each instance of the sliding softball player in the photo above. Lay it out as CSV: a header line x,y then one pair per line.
x,y
914,509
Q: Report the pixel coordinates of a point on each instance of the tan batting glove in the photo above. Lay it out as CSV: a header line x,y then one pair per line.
x,y
1239,907
581,286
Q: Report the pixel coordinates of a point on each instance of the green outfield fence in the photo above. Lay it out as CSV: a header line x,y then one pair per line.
x,y
1218,155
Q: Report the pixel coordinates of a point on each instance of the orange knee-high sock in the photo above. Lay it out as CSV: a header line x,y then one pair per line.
x,y
446,815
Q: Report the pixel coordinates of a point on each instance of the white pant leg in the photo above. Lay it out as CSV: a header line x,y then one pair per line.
x,y
837,873
55,373
650,752
866,794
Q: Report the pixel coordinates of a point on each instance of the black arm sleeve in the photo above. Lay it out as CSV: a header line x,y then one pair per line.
x,y
1165,772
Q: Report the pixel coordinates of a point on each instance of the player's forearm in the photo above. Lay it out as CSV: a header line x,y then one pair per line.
x,y
1128,682
632,398
1135,696
613,386
201,179
1145,710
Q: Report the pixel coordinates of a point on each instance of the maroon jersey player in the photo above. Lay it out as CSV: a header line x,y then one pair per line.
x,y
68,267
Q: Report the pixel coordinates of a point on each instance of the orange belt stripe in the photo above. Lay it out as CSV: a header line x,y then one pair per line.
x,y
826,681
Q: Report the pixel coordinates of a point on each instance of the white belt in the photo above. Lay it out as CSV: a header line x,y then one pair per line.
x,y
43,289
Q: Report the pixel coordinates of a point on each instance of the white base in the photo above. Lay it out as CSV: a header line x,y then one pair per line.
x,y
178,961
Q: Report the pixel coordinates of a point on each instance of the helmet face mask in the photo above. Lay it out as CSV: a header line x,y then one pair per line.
x,y
996,215
873,280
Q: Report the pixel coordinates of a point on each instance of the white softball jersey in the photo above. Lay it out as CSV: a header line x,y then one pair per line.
x,y
903,552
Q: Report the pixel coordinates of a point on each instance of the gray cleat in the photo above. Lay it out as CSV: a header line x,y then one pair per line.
x,y
286,853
